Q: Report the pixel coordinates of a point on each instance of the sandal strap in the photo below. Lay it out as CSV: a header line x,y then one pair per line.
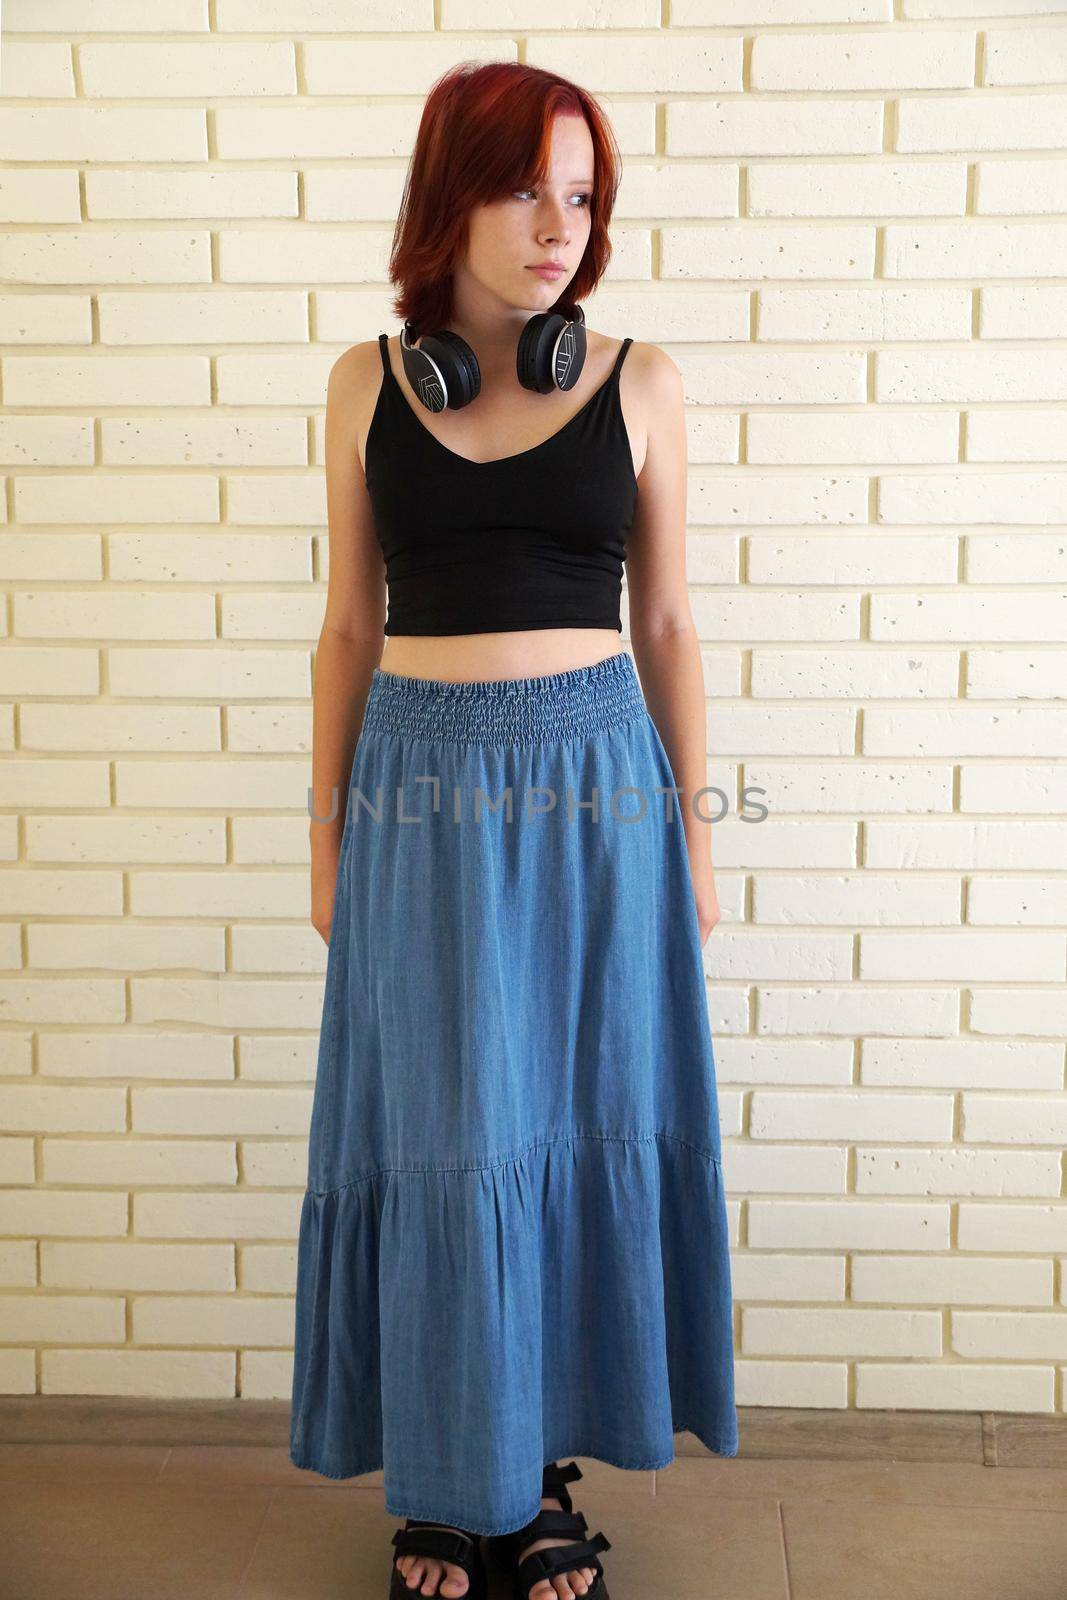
x,y
444,1544
550,1524
554,1479
564,1558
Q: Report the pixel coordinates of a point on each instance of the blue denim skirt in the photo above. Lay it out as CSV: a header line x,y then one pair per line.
x,y
513,1245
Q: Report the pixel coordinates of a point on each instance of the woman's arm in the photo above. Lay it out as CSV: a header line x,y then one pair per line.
x,y
664,638
352,638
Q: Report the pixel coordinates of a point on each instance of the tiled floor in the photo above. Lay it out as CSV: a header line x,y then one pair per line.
x,y
84,1521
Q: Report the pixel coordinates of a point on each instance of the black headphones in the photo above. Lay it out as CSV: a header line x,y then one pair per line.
x,y
444,370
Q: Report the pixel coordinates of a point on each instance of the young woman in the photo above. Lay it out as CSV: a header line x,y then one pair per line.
x,y
513,1244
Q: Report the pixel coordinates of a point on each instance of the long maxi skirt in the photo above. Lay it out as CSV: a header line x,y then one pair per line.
x,y
513,1245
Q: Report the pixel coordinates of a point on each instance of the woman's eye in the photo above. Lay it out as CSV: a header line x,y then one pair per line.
x,y
583,199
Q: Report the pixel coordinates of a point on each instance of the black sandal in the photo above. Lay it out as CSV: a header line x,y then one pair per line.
x,y
551,1524
419,1538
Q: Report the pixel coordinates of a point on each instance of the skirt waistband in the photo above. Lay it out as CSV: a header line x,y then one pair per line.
x,y
556,705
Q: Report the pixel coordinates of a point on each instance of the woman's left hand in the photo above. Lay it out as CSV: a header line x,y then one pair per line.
x,y
702,874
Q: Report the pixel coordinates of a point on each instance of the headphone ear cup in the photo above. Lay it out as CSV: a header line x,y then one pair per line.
x,y
443,370
551,351
466,383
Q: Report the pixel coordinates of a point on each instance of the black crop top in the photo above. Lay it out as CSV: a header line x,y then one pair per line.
x,y
533,540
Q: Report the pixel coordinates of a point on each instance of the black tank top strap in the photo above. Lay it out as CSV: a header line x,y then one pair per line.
x,y
620,358
383,346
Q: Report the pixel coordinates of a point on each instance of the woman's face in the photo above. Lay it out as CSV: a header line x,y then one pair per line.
x,y
508,237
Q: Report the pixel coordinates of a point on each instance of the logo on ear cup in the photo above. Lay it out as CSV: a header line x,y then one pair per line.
x,y
564,356
430,392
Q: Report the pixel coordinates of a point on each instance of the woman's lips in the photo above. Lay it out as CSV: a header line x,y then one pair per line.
x,y
550,274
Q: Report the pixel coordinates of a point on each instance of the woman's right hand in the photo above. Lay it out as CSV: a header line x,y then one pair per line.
x,y
324,859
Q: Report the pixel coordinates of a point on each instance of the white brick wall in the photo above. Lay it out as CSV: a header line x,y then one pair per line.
x,y
848,226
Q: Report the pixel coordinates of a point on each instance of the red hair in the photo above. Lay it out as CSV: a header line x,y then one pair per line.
x,y
485,131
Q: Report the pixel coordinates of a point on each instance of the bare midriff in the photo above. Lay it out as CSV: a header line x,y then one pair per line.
x,y
518,653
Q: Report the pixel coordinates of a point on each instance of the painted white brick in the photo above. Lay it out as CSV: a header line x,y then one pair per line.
x,y
775,1331
129,1056
963,956
110,381
819,61
104,16
197,71
1022,1336
36,194
680,189
980,122
823,1384
844,1116
205,441
954,1386
998,434
109,255
1017,674
957,1172
785,1169
856,1011
115,1162
857,437
130,1266
224,318
1033,1013
827,127
1041,181
314,132
125,192
768,499
967,376
861,561
36,71
1026,1119
235,1319
339,67
847,1224
856,901
1014,1229
851,189
949,618
274,379
790,1276
961,1064
774,616
1033,55
322,16
43,442
950,843
218,1214
103,133
929,1280
174,1374
759,1061
70,1213
64,1319
910,315
972,498
780,730
1019,902
849,787
855,674
811,843
974,731
1026,789
1017,558
54,318
75,498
